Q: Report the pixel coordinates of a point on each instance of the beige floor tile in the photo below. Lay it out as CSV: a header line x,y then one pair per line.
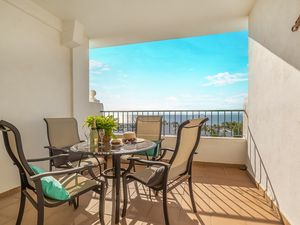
x,y
223,196
226,221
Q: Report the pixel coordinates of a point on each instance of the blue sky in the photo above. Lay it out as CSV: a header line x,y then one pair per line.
x,y
206,72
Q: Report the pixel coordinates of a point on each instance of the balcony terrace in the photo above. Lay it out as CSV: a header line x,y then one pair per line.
x,y
247,167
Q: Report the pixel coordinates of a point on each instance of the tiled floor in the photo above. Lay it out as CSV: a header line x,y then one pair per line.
x,y
224,196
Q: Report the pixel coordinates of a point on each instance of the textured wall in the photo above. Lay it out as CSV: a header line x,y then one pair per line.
x,y
35,82
273,102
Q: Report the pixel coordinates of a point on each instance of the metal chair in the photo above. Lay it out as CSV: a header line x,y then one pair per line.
x,y
70,179
163,176
148,127
62,133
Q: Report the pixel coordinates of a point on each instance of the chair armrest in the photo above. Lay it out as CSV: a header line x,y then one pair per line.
x,y
61,172
48,158
149,162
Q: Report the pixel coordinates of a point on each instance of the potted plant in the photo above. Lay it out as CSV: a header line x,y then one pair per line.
x,y
107,123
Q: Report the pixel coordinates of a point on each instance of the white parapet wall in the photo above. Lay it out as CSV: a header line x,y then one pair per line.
x,y
223,150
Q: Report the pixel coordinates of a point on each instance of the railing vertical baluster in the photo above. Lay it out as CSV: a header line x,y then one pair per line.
x,y
211,123
122,113
169,123
127,122
238,130
228,121
164,124
118,122
131,123
231,123
218,123
205,126
224,126
180,116
175,122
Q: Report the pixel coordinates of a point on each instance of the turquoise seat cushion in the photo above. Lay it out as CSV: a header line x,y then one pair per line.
x,y
52,188
153,152
150,152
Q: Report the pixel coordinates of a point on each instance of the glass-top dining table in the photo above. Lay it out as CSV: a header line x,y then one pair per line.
x,y
115,152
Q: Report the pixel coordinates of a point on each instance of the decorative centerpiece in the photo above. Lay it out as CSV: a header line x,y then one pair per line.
x,y
129,137
105,126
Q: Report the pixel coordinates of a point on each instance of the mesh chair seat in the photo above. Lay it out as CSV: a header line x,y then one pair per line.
x,y
90,160
76,183
150,174
146,174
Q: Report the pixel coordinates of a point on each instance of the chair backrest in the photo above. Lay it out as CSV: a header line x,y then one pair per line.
x,y
188,138
149,127
13,145
62,132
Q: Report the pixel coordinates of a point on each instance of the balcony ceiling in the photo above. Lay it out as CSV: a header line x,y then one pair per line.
x,y
109,22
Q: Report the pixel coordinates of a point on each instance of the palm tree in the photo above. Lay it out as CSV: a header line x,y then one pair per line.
x,y
175,125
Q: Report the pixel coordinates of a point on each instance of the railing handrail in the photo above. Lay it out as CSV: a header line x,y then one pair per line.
x,y
178,110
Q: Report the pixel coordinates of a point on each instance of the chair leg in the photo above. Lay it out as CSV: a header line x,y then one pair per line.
x,y
165,206
104,168
50,165
192,194
125,196
76,202
21,208
40,216
102,203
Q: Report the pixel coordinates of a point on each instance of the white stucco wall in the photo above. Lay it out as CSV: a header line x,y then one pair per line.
x,y
35,79
216,149
80,67
273,102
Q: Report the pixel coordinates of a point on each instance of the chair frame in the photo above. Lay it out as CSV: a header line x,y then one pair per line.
x,y
40,203
165,185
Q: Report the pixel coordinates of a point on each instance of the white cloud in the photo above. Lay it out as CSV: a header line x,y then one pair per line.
x,y
98,67
222,79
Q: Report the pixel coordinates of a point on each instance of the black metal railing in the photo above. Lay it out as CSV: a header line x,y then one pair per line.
x,y
222,123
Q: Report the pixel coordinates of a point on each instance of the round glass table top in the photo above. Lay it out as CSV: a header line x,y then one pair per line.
x,y
123,149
